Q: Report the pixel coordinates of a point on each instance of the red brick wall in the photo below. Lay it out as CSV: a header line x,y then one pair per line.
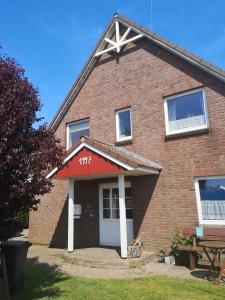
x,y
140,77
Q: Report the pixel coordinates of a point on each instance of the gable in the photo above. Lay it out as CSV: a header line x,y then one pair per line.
x,y
131,32
87,162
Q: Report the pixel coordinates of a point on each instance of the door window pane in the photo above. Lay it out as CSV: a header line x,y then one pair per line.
x,y
115,198
106,203
115,213
106,193
106,213
212,197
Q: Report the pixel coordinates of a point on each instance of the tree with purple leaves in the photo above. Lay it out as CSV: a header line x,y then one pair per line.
x,y
28,149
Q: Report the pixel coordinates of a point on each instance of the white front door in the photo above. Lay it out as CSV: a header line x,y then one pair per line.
x,y
109,217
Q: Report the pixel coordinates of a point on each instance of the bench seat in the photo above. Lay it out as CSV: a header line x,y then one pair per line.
x,y
190,248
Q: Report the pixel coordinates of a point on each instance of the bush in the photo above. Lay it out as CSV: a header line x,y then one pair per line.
x,y
23,218
179,239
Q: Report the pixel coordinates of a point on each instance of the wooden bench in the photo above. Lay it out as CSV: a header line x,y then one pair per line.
x,y
210,234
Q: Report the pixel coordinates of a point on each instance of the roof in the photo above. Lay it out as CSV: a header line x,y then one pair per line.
x,y
122,154
180,52
130,161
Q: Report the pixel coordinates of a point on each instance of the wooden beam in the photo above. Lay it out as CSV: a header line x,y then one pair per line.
x,y
131,39
105,51
110,41
125,34
117,37
119,41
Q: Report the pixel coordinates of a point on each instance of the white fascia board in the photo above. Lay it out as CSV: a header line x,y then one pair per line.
x,y
145,170
52,172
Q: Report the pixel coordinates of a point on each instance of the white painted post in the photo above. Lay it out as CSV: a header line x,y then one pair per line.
x,y
71,216
123,221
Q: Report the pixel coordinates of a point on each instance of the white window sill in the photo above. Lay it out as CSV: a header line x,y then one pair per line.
x,y
212,222
189,131
123,141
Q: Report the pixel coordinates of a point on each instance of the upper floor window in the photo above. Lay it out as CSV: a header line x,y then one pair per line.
x,y
186,112
75,130
210,193
123,124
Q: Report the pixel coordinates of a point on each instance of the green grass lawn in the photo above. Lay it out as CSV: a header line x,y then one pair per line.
x,y
44,283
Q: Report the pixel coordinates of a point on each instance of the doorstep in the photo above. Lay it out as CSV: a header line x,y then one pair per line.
x,y
98,257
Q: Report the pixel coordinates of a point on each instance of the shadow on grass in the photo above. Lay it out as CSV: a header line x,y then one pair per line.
x,y
40,281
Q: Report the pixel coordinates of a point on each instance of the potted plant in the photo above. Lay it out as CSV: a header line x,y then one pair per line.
x,y
27,151
167,257
179,239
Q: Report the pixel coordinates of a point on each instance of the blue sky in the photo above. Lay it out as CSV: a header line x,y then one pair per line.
x,y
52,39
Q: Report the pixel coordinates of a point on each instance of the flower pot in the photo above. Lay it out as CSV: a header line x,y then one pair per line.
x,y
169,260
15,253
182,259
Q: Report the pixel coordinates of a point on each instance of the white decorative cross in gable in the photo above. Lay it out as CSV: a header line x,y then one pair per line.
x,y
120,41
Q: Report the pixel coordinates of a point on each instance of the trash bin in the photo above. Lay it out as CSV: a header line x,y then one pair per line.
x,y
15,253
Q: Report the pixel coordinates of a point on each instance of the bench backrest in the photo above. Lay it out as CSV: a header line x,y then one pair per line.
x,y
209,233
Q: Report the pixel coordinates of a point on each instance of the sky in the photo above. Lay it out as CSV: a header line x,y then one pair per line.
x,y
52,39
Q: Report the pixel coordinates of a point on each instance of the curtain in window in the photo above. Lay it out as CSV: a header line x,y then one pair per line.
x,y
213,210
191,119
172,114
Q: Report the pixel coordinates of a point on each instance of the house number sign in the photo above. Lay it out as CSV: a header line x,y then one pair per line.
x,y
85,160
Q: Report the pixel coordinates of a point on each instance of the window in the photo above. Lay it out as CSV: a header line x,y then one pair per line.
x,y
110,203
75,130
123,124
210,194
186,112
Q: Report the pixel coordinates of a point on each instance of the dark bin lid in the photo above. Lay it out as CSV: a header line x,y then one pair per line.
x,y
16,244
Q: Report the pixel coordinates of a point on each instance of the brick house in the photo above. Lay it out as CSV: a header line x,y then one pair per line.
x,y
144,128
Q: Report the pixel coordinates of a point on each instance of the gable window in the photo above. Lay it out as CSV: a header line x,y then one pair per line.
x,y
210,193
75,130
186,112
123,125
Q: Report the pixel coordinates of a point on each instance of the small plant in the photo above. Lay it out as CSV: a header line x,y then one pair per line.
x,y
179,239
164,252
166,256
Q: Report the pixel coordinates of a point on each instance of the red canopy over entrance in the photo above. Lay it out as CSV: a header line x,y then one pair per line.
x,y
87,162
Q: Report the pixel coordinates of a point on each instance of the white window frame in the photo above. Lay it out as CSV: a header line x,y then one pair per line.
x,y
68,130
198,198
189,129
126,138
